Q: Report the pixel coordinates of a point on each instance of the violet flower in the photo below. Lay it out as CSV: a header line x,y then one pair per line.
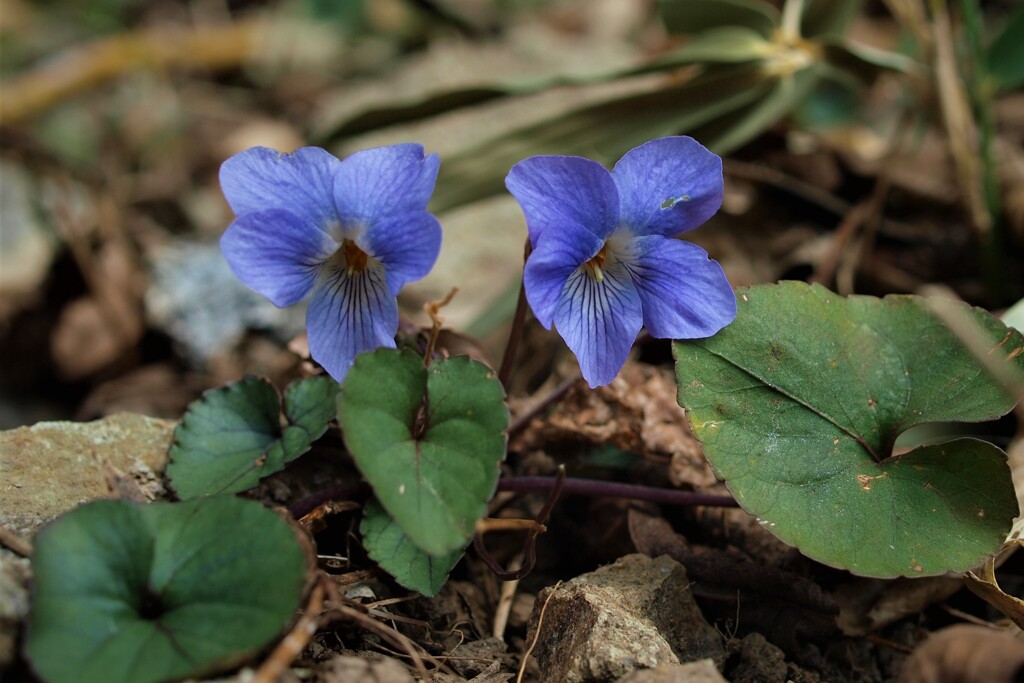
x,y
605,262
350,231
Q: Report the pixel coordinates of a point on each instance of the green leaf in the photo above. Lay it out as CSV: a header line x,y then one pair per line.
x,y
799,401
391,548
604,131
1006,54
160,592
742,125
866,62
427,440
725,44
232,437
828,17
693,16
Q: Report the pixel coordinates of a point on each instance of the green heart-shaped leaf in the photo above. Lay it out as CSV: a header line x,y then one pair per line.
x,y
428,441
799,401
160,592
391,548
232,437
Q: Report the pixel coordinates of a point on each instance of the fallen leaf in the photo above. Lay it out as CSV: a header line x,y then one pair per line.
x,y
966,654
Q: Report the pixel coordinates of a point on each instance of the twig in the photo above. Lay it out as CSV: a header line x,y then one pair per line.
x,y
87,66
536,634
336,494
594,487
557,394
14,542
508,594
959,321
433,309
808,192
289,649
529,551
398,639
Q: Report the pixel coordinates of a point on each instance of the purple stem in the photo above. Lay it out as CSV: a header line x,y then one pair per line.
x,y
595,487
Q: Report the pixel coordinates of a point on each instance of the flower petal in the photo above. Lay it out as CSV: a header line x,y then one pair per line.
x,y
599,321
668,186
560,252
685,294
558,190
261,179
276,253
407,244
349,315
374,183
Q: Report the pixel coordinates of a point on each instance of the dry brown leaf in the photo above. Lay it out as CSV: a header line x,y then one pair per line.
x,y
966,654
636,413
987,588
866,605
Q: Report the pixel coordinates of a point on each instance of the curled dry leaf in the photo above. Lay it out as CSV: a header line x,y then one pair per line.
x,y
987,588
966,654
636,413
866,604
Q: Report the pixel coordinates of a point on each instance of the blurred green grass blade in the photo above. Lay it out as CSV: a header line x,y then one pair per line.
x,y
744,124
603,131
828,17
865,62
694,16
724,44
1006,54
730,44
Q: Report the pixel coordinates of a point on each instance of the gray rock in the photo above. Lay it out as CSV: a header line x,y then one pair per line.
x,y
198,302
637,613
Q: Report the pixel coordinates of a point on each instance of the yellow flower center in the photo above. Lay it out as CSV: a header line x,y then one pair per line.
x,y
351,257
594,266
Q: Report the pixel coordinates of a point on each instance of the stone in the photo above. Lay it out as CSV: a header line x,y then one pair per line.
x,y
14,599
637,613
52,467
703,671
759,661
346,669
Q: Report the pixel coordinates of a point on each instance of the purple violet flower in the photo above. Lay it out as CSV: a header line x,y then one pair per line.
x,y
350,231
605,262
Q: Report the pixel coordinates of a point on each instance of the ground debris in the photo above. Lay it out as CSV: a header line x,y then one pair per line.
x,y
791,610
345,669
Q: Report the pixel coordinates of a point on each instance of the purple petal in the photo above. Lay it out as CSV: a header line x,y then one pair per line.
x,y
407,244
685,295
276,253
349,315
378,182
557,190
668,186
599,321
557,255
261,179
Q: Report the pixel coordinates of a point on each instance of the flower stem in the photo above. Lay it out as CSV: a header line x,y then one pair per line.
x,y
594,487
580,487
515,334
